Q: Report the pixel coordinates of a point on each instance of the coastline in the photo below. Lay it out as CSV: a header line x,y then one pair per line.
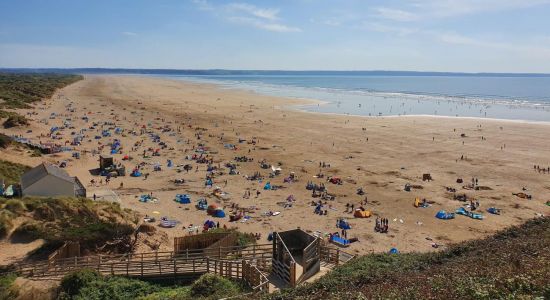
x,y
311,101
380,156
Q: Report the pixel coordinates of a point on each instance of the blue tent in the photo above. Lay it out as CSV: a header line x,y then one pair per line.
x,y
183,199
493,210
444,215
169,163
210,224
135,173
343,224
394,251
267,186
219,213
202,204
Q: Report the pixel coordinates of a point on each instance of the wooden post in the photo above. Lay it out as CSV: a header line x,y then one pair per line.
x,y
292,274
194,270
175,269
141,265
99,263
187,253
112,269
337,256
207,265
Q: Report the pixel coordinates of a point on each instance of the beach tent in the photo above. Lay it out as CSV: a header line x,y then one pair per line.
x,y
362,213
135,173
219,213
493,210
202,204
394,251
211,209
183,199
473,215
267,186
209,224
444,215
343,224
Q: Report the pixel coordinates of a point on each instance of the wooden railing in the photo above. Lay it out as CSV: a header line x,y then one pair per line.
x,y
335,256
152,263
283,263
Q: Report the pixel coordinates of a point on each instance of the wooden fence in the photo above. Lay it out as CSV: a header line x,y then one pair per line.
x,y
199,241
68,250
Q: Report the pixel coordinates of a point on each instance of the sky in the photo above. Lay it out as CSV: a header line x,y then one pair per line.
x,y
416,35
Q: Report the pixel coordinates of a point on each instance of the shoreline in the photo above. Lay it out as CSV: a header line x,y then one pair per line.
x,y
380,156
311,101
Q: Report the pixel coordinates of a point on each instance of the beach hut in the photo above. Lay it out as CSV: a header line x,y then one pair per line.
x,y
49,180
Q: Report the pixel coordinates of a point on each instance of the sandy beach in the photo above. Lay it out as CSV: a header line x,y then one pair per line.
x,y
378,154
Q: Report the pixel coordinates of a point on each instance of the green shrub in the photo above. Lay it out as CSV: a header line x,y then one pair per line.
x,y
15,121
7,289
29,230
5,141
15,206
72,284
11,172
214,286
5,223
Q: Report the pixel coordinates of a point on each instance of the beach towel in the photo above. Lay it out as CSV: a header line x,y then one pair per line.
x,y
168,223
340,241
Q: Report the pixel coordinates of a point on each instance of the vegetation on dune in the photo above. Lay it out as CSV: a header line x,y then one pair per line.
x,y
7,290
88,284
19,90
11,172
243,239
513,264
92,223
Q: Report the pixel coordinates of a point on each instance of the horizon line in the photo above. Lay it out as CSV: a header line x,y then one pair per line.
x,y
396,72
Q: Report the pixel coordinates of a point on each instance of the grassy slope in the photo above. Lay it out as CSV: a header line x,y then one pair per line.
x,y
19,90
11,172
512,264
69,219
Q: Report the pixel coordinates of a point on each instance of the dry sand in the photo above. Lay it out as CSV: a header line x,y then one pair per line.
x,y
398,151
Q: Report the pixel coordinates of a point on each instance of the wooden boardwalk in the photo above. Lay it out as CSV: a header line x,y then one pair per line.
x,y
252,264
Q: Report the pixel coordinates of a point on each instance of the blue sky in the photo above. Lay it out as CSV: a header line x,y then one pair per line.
x,y
422,35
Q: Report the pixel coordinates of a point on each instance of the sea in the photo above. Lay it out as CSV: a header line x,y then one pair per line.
x,y
509,96
522,98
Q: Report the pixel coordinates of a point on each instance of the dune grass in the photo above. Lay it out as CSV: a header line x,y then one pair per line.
x,y
513,264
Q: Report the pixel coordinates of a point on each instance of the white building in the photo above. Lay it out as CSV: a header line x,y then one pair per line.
x,y
49,180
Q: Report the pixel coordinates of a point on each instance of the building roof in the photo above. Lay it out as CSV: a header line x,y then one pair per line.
x,y
41,171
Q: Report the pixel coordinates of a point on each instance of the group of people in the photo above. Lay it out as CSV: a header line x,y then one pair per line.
x,y
541,169
381,225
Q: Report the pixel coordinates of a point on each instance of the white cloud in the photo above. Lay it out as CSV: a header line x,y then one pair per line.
x,y
263,25
378,27
129,33
262,13
248,14
396,14
425,9
203,4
